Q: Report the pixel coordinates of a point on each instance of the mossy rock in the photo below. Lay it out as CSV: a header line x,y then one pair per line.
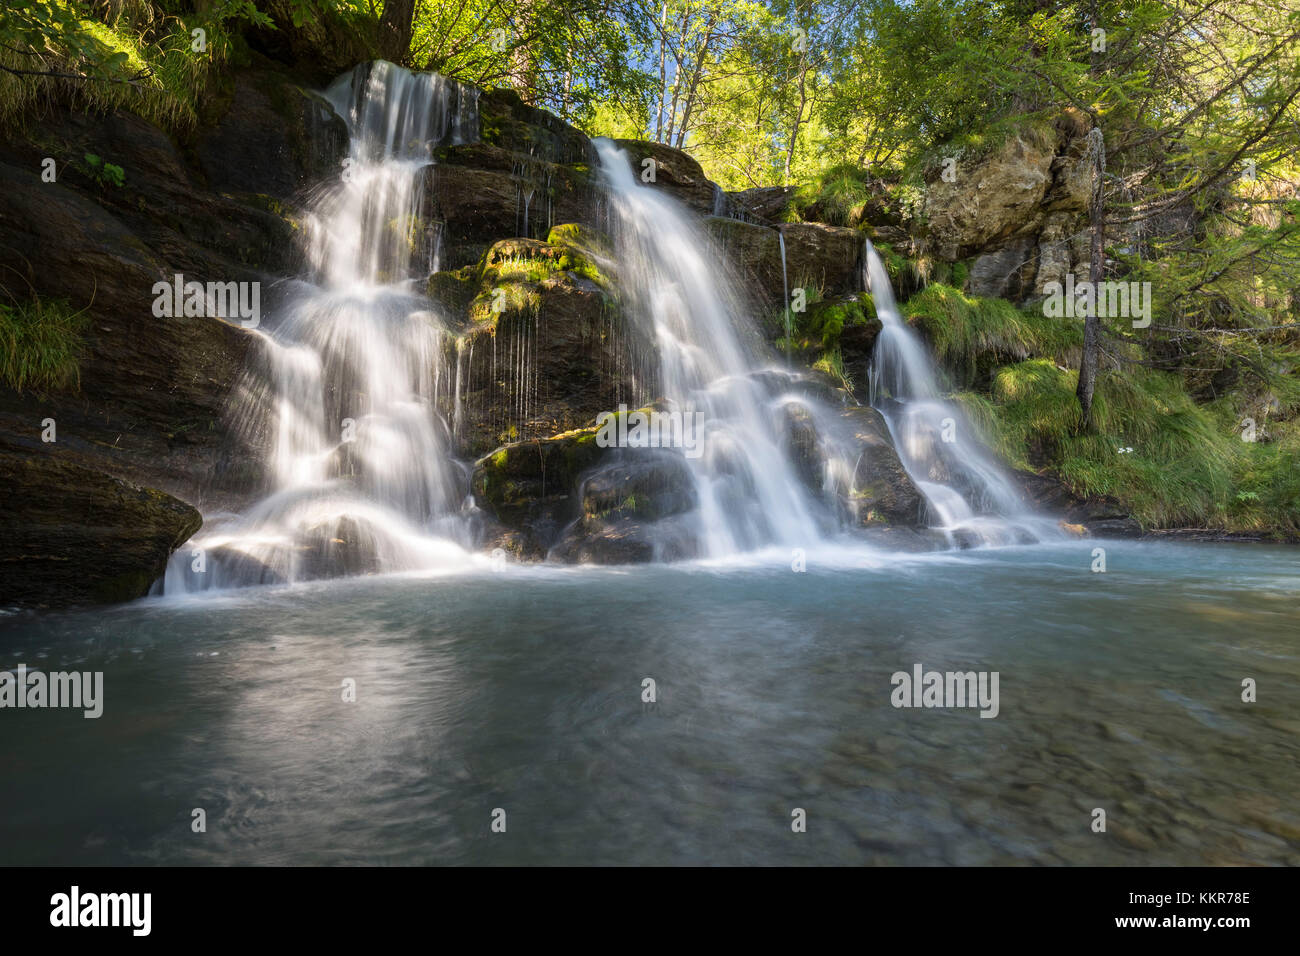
x,y
453,290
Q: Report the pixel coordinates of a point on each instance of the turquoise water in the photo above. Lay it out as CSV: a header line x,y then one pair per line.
x,y
522,690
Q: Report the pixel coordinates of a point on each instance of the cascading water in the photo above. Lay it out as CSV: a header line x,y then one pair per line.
x,y
970,498
748,493
362,477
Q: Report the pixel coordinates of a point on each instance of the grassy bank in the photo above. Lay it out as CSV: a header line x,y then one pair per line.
x,y
1172,461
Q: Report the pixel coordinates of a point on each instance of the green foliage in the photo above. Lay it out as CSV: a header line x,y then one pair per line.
x,y
106,174
837,196
136,56
41,343
1188,466
572,57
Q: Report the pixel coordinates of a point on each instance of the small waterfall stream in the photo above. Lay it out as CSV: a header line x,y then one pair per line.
x,y
749,495
361,472
970,497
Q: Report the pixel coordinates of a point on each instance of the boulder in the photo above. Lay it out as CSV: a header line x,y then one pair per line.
x,y
765,205
634,509
72,535
676,174
879,490
531,488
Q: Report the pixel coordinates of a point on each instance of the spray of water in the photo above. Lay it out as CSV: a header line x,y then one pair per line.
x,y
970,497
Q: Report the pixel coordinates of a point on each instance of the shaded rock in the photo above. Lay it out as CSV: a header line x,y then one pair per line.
x,y
71,535
817,256
821,256
477,194
1007,272
318,47
763,204
162,201
633,510
270,137
1098,517
557,355
508,123
627,541
532,487
153,391
754,251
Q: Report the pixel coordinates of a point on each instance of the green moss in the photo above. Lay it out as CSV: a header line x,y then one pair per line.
x,y
41,343
453,289
582,247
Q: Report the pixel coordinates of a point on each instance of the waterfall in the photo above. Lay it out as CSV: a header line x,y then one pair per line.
x,y
361,474
970,497
785,300
708,362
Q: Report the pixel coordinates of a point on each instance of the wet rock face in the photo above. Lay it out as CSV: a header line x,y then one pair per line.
x,y
541,348
477,194
1097,517
72,535
530,488
151,407
817,256
569,499
880,490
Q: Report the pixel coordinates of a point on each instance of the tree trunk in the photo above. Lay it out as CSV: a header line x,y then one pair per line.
x,y
663,79
1096,271
396,25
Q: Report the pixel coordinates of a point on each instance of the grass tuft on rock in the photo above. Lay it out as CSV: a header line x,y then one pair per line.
x,y
41,344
